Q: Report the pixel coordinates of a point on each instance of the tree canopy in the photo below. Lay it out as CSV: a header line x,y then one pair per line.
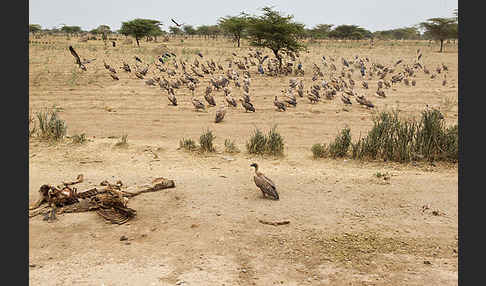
x,y
350,32
189,30
139,28
408,33
101,29
320,31
175,30
441,29
34,28
71,29
234,26
276,32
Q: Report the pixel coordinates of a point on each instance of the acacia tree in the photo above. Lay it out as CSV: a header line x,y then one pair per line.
x,y
173,30
71,29
350,32
214,30
189,30
139,28
34,28
203,30
157,31
320,31
234,25
276,32
441,29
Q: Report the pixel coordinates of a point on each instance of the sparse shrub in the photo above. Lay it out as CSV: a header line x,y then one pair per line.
x,y
400,140
32,126
341,144
385,176
51,128
79,139
230,146
206,141
257,143
319,150
275,143
271,144
187,144
123,141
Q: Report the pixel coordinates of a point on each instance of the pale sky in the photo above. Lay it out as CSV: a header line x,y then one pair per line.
x,y
373,15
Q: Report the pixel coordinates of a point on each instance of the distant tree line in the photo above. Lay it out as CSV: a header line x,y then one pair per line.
x,y
243,26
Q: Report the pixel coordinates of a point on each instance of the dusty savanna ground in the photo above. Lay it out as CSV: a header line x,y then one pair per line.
x,y
347,226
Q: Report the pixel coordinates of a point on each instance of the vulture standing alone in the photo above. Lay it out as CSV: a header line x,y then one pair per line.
x,y
266,185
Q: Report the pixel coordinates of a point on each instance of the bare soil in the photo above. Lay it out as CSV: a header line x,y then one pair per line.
x,y
347,225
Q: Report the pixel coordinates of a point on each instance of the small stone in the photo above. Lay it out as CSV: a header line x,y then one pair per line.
x,y
122,238
427,262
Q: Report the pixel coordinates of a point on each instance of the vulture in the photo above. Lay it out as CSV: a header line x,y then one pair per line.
x,y
230,100
126,67
150,81
247,105
266,185
114,76
140,76
246,97
345,99
300,92
78,60
380,92
246,88
144,71
220,113
279,105
177,24
312,98
138,59
210,99
171,96
363,101
197,104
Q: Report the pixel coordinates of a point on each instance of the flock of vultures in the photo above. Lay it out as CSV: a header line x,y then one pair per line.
x,y
331,78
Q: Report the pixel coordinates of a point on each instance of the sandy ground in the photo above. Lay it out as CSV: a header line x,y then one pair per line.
x,y
347,226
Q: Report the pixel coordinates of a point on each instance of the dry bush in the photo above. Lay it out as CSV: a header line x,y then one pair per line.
x,y
271,144
123,141
230,147
206,141
50,127
400,140
319,150
79,139
187,144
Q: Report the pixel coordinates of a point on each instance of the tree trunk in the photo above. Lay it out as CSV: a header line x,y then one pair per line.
x,y
441,45
238,42
138,44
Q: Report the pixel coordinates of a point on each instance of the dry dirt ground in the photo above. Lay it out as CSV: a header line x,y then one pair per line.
x,y
347,226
